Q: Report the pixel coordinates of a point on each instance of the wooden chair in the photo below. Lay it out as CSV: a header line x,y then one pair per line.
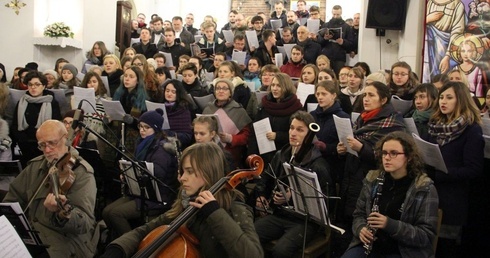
x,y
438,228
318,246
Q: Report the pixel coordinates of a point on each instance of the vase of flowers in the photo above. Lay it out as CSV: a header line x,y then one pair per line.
x,y
57,30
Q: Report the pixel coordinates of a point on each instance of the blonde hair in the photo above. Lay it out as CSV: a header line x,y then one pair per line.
x,y
116,59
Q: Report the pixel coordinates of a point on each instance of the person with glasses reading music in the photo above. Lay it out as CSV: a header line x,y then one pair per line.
x,y
66,225
153,147
406,200
35,107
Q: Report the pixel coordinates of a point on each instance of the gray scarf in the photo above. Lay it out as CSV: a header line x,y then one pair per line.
x,y
44,114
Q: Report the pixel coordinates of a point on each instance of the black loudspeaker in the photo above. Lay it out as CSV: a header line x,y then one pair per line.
x,y
386,14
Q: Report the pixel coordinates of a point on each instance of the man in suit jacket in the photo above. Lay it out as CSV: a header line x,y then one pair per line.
x,y
157,36
186,38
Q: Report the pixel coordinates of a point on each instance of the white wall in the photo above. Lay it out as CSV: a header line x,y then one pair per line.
x,y
200,8
88,23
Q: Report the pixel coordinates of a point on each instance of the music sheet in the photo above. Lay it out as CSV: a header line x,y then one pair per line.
x,y
401,105
131,174
303,91
88,94
11,246
252,39
153,106
430,153
228,34
410,124
344,129
113,109
261,128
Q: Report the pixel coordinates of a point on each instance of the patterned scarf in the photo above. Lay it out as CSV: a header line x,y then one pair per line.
x,y
372,130
445,133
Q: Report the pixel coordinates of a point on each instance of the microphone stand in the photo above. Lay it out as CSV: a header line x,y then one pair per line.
x,y
142,179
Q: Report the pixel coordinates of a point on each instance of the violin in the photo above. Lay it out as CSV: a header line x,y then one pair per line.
x,y
62,178
175,240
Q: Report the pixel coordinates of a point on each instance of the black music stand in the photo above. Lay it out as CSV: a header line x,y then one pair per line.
x,y
30,237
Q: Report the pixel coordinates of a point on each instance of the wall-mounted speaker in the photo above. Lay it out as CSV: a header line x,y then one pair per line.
x,y
386,14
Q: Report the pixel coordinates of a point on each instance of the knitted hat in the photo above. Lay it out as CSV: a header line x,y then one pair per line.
x,y
51,72
153,118
71,68
228,82
32,66
152,62
377,77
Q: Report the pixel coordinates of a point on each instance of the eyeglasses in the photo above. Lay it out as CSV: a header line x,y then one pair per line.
x,y
67,122
392,154
49,144
400,74
34,85
138,64
144,127
222,88
343,74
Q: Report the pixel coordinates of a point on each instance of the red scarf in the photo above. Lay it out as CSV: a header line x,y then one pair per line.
x,y
368,115
77,140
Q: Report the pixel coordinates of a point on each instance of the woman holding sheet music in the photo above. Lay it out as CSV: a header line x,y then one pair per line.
x,y
378,119
233,118
351,96
406,200
278,106
151,147
456,127
113,71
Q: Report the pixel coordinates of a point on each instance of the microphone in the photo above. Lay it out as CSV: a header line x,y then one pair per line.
x,y
76,116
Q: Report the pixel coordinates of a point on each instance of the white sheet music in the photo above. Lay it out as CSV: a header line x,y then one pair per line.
x,y
252,39
105,81
308,185
282,50
313,25
172,74
276,24
113,109
401,105
59,95
203,101
210,76
410,124
88,66
430,153
279,59
485,125
354,116
87,94
303,91
131,175
228,34
135,40
311,107
168,59
239,57
153,106
261,128
302,21
487,146
11,245
344,129
16,94
288,48
260,95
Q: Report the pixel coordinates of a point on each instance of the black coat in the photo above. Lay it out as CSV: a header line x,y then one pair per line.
x,y
150,51
333,50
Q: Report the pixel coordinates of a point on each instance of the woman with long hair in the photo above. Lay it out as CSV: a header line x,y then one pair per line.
x,y
278,105
402,80
179,111
405,223
456,127
378,119
95,56
309,74
151,81
223,225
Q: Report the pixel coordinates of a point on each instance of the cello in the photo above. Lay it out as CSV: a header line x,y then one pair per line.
x,y
163,241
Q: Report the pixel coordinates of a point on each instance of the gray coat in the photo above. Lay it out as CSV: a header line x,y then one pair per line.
x,y
416,229
75,238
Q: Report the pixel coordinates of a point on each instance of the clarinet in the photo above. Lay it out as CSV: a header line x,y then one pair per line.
x,y
375,208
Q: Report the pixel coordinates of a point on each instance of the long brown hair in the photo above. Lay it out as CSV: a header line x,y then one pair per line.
x,y
208,160
465,106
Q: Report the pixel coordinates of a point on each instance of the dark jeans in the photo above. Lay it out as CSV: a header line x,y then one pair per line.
x,y
289,233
